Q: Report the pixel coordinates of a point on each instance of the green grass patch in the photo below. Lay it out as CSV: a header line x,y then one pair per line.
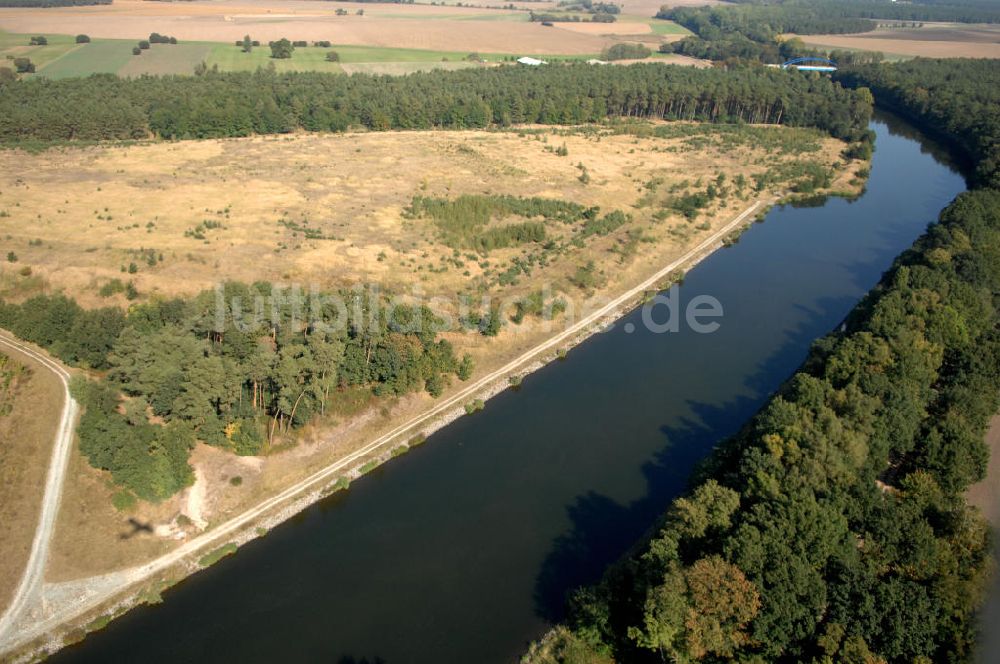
x,y
16,46
368,467
215,556
106,56
229,57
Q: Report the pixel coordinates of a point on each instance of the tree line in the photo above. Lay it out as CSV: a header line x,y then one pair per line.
x,y
760,20
834,526
752,30
177,371
957,99
105,107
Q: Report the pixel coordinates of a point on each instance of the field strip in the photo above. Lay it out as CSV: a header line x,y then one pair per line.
x,y
11,638
34,572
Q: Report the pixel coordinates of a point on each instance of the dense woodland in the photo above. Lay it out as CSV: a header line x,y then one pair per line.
x,y
834,527
765,20
955,99
104,107
177,371
751,30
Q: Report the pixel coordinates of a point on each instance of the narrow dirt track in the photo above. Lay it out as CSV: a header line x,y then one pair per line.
x,y
34,572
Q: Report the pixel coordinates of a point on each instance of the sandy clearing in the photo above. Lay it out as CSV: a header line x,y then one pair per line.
x,y
623,28
986,494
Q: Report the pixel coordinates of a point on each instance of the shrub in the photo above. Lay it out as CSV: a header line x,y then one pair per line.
x,y
136,50
24,66
144,45
39,41
625,51
11,257
332,56
236,480
123,500
113,287
282,49
217,555
82,39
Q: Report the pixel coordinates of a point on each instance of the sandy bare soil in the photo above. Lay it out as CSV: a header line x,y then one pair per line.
x,y
986,494
935,40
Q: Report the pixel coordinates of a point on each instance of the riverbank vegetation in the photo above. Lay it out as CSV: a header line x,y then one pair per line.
x,y
834,526
958,100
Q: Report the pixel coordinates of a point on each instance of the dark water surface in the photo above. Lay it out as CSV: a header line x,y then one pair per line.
x,y
462,550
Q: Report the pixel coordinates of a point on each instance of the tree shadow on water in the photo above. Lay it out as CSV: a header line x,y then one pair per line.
x,y
603,530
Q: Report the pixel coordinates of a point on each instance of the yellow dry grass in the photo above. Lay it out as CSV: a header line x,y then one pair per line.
x,y
26,436
353,186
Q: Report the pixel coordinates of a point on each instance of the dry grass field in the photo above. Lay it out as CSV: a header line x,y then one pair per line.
x,y
933,40
26,390
237,209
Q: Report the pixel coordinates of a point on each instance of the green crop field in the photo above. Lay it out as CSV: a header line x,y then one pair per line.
x,y
16,46
63,58
101,56
658,26
229,57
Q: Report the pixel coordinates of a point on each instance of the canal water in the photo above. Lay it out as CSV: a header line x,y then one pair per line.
x,y
463,550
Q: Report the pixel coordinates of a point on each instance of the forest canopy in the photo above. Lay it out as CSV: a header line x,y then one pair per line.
x,y
834,526
105,107
955,98
205,369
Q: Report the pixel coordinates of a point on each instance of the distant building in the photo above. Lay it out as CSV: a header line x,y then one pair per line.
x,y
595,61
531,61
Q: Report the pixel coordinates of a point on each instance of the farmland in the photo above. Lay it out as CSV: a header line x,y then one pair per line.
x,y
363,34
931,40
